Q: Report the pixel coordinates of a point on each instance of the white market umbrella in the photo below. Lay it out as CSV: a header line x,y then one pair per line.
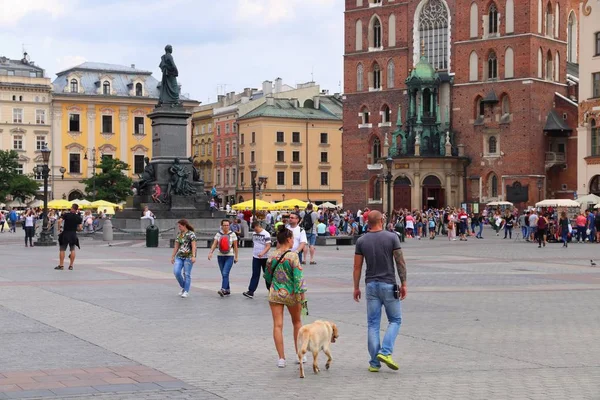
x,y
36,203
588,199
17,203
597,205
557,203
327,205
500,203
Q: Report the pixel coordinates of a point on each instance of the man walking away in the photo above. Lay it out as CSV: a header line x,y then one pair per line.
x,y
309,223
68,236
261,239
12,217
381,249
523,221
533,219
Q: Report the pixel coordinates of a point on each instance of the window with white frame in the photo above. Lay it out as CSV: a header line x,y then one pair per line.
x,y
107,124
234,149
218,130
227,127
218,149
138,125
202,129
74,86
106,88
138,164
40,142
324,178
227,149
493,20
17,115
139,90
227,176
19,169
74,125
280,178
40,117
233,176
492,66
296,178
17,142
75,163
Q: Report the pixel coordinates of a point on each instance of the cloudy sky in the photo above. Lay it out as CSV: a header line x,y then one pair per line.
x,y
237,43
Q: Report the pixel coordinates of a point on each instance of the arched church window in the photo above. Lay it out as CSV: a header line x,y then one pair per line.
x,y
434,32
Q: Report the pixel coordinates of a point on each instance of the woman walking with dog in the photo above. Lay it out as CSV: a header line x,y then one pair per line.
x,y
286,281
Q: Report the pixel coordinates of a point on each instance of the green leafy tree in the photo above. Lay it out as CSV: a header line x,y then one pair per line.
x,y
12,183
112,184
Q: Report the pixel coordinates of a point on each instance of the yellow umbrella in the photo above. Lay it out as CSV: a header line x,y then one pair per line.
x,y
103,203
59,204
108,210
260,205
82,203
289,204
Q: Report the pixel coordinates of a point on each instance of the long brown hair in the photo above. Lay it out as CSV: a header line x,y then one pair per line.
x,y
185,223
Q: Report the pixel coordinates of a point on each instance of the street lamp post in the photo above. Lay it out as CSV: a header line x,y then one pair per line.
x,y
45,236
388,179
93,150
540,184
253,173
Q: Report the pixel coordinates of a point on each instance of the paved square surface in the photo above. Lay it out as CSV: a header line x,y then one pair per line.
x,y
484,319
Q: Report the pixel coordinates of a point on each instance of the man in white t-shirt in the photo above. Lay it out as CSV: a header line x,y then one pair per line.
x,y
310,220
299,235
533,218
262,244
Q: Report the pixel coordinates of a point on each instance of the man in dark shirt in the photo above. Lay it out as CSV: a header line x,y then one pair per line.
x,y
381,249
68,236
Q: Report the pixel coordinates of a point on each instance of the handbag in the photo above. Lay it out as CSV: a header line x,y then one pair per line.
x,y
272,272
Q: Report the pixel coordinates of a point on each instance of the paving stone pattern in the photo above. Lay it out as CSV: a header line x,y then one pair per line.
x,y
484,319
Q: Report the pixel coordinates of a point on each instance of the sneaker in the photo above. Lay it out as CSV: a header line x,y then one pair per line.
x,y
387,360
248,295
303,360
373,369
281,363
221,293
184,294
226,292
181,292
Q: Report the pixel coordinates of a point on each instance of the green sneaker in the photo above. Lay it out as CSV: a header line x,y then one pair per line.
x,y
387,360
373,369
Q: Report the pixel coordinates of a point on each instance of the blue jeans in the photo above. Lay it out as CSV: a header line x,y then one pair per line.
x,y
258,266
311,239
507,229
565,236
380,294
182,269
480,230
225,265
524,231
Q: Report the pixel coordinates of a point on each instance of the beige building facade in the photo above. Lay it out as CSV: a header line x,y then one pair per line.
x,y
588,138
24,112
296,147
202,143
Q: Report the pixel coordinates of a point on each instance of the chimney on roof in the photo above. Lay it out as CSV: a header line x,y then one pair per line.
x,y
270,100
294,102
247,92
316,102
221,100
133,66
267,88
278,85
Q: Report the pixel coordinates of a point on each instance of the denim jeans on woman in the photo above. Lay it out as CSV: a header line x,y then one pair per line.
x,y
381,294
182,269
225,265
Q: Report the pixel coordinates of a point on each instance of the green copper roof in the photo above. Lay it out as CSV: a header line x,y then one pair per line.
x,y
424,70
286,108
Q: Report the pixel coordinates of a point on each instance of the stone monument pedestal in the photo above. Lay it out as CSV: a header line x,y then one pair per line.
x,y
169,143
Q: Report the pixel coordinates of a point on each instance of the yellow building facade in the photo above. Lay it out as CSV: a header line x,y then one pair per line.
x,y
24,112
298,148
100,110
203,142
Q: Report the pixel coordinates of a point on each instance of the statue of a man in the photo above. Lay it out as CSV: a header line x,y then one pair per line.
x,y
169,89
147,176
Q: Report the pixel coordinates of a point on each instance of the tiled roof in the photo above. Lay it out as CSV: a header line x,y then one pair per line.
x,y
122,78
554,122
285,108
19,66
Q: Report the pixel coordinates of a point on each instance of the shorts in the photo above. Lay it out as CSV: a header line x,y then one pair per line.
x,y
311,238
68,239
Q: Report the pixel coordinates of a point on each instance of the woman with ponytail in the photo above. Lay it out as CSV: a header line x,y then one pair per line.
x,y
184,256
286,281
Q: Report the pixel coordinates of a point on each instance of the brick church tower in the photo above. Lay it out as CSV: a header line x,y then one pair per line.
x,y
467,101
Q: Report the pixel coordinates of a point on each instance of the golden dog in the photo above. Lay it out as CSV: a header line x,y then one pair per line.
x,y
314,338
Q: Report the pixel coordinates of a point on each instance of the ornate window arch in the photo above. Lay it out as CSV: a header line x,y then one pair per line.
x,y
375,33
390,74
492,145
549,20
549,66
432,30
106,87
479,107
386,114
595,133
492,66
493,19
74,86
359,78
474,21
139,89
376,188
359,36
493,185
376,76
375,149
572,38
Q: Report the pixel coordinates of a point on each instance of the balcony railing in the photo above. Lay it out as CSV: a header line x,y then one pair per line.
x,y
554,158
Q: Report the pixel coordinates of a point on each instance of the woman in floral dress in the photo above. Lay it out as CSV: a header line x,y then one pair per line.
x,y
286,280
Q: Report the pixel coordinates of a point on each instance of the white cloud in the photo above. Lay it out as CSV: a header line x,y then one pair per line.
x,y
66,62
11,11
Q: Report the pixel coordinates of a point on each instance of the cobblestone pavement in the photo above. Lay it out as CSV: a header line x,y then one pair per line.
x,y
484,319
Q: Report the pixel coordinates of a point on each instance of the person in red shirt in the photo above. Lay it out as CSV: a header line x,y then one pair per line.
x,y
247,216
581,223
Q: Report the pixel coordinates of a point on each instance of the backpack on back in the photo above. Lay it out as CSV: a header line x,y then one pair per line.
x,y
307,222
224,244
